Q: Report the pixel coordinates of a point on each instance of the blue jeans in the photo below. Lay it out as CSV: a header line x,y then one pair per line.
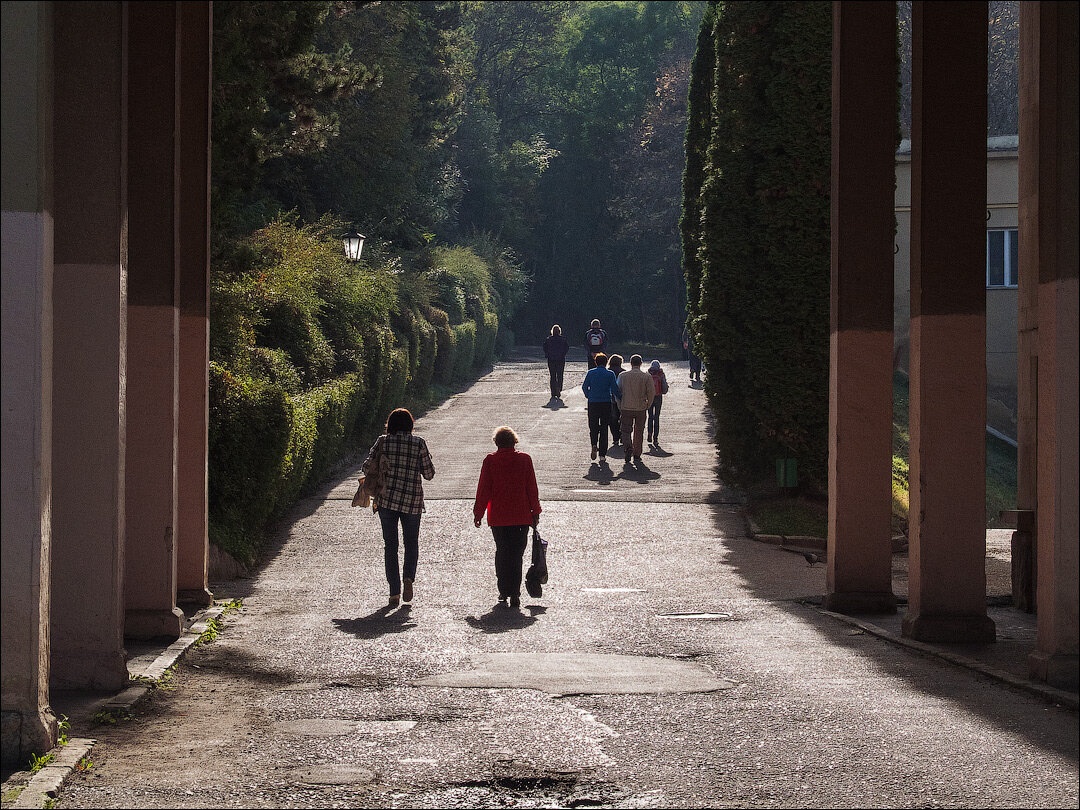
x,y
654,418
410,527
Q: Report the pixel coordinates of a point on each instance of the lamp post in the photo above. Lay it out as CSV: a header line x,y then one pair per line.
x,y
354,243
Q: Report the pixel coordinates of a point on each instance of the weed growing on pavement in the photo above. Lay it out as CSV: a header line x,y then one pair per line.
x,y
84,764
111,718
50,804
37,763
62,729
214,625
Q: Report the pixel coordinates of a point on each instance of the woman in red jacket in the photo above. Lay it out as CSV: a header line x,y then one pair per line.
x,y
507,491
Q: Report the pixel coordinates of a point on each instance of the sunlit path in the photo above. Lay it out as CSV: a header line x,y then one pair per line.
x,y
689,674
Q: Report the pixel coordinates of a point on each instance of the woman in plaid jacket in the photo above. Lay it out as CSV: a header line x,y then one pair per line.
x,y
401,499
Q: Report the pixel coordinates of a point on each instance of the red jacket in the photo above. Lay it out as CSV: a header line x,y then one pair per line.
x,y
507,489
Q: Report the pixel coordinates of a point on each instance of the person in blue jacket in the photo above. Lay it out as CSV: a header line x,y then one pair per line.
x,y
601,390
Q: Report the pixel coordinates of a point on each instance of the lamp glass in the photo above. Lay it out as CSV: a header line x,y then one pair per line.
x,y
354,243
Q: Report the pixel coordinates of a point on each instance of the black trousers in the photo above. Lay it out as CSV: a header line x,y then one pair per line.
x,y
555,371
510,543
599,419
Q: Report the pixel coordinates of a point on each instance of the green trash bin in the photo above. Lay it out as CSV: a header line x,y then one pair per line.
x,y
787,473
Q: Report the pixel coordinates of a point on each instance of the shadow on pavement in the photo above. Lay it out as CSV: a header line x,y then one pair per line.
x,y
503,619
1015,711
599,473
638,472
381,622
555,404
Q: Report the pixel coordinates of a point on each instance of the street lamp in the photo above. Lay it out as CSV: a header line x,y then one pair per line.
x,y
354,243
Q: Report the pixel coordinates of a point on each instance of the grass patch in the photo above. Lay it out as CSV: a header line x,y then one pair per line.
x,y
791,517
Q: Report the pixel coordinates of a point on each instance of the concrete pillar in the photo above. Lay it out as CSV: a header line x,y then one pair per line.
x,y
153,191
947,577
1049,256
193,550
26,723
89,346
859,574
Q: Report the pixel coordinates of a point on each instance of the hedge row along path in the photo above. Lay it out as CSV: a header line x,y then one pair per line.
x,y
668,663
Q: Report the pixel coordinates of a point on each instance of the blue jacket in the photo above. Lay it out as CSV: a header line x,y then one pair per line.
x,y
600,385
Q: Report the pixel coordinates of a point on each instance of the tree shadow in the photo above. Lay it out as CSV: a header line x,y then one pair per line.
x,y
382,622
502,619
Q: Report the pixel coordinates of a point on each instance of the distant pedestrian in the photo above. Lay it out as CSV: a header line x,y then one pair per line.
x,y
636,394
615,366
692,356
660,387
600,390
555,349
401,499
507,491
595,342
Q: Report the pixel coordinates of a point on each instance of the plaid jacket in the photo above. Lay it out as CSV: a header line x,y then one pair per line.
x,y
408,459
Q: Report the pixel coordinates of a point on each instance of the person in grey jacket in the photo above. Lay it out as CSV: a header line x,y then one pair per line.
x,y
636,394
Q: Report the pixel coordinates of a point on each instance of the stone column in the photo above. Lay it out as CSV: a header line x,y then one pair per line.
x,y
153,190
194,274
26,723
89,347
947,576
859,573
1049,255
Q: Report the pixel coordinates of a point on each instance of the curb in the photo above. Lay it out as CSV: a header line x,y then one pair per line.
x,y
1048,693
44,786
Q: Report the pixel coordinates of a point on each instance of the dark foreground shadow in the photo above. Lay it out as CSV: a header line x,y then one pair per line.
x,y
658,452
639,473
503,619
599,473
382,622
555,404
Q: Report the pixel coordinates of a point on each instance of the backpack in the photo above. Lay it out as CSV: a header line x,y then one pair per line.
x,y
659,382
596,339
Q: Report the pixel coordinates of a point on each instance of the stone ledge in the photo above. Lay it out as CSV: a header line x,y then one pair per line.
x,y
44,786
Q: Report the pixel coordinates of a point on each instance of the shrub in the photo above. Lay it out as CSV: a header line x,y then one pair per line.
x,y
464,349
487,329
444,345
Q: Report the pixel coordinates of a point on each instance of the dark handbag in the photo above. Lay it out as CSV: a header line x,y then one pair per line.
x,y
537,575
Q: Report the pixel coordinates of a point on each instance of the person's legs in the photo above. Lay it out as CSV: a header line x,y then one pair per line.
x,y
560,366
603,415
616,430
510,544
410,531
389,519
551,379
638,420
594,423
654,419
627,428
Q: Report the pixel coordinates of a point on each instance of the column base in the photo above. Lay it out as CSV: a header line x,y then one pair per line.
x,y
148,624
950,629
1056,669
199,597
89,669
861,602
24,734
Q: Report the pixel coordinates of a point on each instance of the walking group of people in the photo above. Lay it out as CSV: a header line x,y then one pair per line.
x,y
624,402
506,491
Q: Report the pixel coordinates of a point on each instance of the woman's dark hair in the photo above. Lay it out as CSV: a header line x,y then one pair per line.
x,y
399,421
615,361
505,437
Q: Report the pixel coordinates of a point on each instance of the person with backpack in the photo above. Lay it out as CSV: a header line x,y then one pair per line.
x,y
555,349
595,342
660,385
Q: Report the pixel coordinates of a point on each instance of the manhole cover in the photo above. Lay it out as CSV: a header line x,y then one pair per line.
x,y
716,617
333,775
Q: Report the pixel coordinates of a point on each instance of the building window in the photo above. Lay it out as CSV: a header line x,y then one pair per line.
x,y
1002,257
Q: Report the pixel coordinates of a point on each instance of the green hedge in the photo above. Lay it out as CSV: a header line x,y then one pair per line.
x,y
464,349
487,330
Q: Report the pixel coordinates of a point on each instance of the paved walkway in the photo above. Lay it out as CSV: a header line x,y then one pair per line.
x,y
672,662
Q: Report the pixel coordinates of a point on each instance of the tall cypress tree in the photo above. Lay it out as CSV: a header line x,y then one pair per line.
x,y
764,253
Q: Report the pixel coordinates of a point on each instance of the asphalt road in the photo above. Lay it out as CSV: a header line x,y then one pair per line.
x,y
670,662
